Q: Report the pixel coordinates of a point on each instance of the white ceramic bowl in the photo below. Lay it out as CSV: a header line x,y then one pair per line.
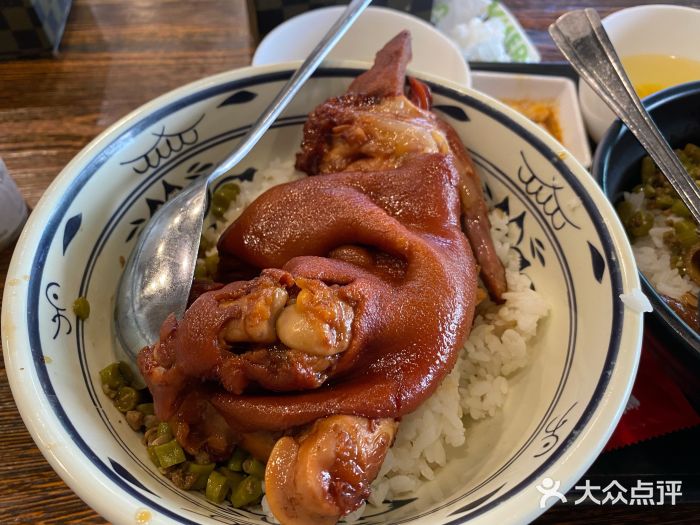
x,y
560,91
433,52
645,29
560,411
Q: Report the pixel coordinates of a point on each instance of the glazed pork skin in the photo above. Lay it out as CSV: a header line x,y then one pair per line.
x,y
400,256
382,122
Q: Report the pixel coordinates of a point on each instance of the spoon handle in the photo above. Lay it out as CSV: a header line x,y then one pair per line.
x,y
335,33
582,39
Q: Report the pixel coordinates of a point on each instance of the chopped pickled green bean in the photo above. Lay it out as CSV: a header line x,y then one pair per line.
x,y
625,209
640,223
223,197
127,399
81,308
170,454
146,408
112,377
248,491
154,457
164,431
127,372
229,191
686,233
217,487
226,194
218,210
235,462
680,209
664,201
254,467
693,152
234,478
202,472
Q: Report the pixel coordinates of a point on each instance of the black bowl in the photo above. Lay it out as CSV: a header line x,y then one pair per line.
x,y
616,167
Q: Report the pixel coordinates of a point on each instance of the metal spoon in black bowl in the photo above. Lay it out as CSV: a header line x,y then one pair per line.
x,y
582,39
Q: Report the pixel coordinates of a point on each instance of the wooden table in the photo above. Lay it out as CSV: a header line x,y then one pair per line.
x,y
116,55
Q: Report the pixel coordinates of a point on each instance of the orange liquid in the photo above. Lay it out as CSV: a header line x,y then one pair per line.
x,y
652,73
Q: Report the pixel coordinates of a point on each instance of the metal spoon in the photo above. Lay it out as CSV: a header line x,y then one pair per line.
x,y
582,39
158,275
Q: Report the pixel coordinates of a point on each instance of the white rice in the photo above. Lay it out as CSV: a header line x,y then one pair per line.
x,y
653,257
478,385
637,301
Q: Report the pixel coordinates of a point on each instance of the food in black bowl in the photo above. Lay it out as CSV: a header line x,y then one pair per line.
x,y
663,236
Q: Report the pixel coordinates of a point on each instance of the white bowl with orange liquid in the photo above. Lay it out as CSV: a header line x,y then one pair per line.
x,y
658,45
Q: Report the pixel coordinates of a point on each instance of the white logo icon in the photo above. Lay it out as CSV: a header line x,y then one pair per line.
x,y
549,489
